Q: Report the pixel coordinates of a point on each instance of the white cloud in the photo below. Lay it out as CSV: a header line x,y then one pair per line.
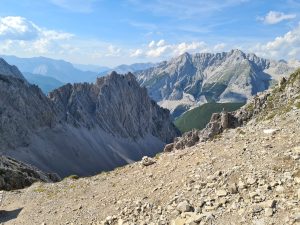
x,y
136,53
18,33
219,47
274,17
55,35
113,51
159,51
18,28
286,46
160,43
188,47
151,44
162,49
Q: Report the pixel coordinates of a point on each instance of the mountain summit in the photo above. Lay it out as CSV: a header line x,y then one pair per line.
x,y
82,128
193,79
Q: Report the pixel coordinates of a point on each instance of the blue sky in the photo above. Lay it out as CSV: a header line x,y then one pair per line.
x,y
113,32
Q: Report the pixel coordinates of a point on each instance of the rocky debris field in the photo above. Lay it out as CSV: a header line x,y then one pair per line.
x,y
248,175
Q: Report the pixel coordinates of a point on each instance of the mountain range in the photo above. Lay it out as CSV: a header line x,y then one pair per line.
x,y
82,128
60,70
130,68
50,74
193,79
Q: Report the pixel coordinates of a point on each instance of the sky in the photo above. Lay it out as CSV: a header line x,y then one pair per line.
x,y
114,32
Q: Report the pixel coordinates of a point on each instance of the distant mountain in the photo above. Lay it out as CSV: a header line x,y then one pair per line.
x,y
198,118
123,69
190,80
82,128
58,69
46,83
92,68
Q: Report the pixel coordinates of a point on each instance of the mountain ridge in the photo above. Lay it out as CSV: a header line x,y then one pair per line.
x,y
193,79
81,128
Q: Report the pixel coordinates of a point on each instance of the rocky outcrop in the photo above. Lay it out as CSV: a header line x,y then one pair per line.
x,y
190,80
23,108
265,105
116,104
218,123
82,128
17,175
8,70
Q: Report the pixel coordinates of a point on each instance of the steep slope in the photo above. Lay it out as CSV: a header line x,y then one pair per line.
x,y
6,69
115,103
57,69
189,80
82,128
281,99
46,83
248,175
23,108
199,117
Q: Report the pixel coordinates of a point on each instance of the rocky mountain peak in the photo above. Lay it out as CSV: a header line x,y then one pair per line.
x,y
284,98
117,104
8,70
81,128
190,80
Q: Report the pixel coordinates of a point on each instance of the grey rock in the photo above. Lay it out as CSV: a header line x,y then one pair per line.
x,y
98,126
184,206
147,161
221,193
202,77
268,212
169,147
8,70
233,189
254,109
17,175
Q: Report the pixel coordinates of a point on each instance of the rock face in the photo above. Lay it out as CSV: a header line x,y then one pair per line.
x,y
266,105
6,69
23,109
16,175
189,80
116,104
82,128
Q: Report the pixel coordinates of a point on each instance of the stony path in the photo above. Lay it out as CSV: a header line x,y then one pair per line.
x,y
250,175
